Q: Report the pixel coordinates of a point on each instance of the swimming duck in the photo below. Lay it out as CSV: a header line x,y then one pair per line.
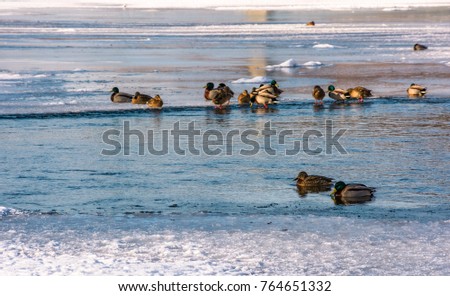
x,y
305,180
139,98
271,88
416,90
418,46
318,94
338,94
155,102
244,97
351,193
262,98
359,93
120,97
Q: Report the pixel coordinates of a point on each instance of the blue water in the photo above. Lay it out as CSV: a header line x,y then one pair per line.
x,y
187,211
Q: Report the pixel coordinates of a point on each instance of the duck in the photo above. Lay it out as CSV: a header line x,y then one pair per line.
x,y
416,90
220,95
338,94
359,93
272,88
139,98
418,46
155,102
318,95
120,97
305,180
244,98
262,98
310,24
351,193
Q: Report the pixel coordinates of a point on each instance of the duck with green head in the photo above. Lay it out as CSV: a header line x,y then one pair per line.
x,y
120,97
351,193
155,102
338,94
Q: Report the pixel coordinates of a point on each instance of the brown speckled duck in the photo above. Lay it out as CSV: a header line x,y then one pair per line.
x,y
305,180
359,93
318,95
244,98
120,97
155,102
338,94
351,193
416,90
139,98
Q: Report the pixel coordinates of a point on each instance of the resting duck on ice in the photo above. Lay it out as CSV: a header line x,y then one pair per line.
x,y
262,98
359,93
155,102
305,180
271,88
416,90
120,97
318,95
139,98
338,94
351,193
244,98
220,95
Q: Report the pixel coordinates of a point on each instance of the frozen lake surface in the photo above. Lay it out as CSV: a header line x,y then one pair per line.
x,y
221,201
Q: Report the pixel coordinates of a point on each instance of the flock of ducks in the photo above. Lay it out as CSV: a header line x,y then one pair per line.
x,y
267,94
137,98
342,194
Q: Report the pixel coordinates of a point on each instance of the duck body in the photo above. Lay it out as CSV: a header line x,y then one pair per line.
x,y
271,88
418,46
139,98
120,97
310,24
305,180
351,193
318,94
359,93
416,90
338,94
155,102
244,98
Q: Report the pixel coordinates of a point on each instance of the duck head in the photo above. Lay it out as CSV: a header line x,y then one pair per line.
x,y
301,176
274,83
209,86
339,186
114,90
331,88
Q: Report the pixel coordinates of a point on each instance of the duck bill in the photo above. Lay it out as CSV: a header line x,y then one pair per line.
x,y
333,192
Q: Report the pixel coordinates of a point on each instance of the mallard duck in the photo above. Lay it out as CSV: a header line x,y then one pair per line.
x,y
220,95
318,94
418,46
305,180
244,97
120,97
271,88
359,93
338,94
351,193
416,90
310,24
262,98
155,102
139,98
